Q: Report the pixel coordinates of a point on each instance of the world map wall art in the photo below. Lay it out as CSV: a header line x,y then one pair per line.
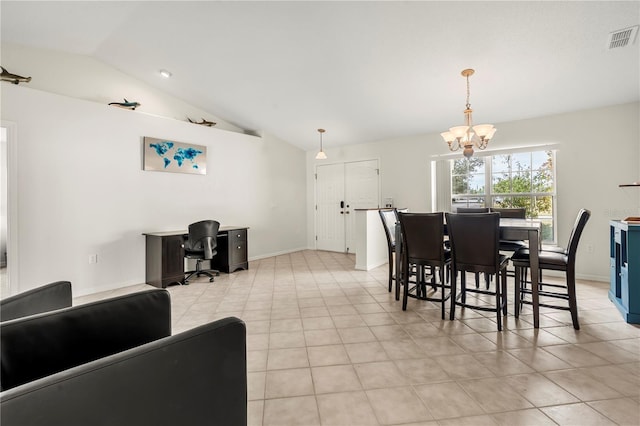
x,y
169,156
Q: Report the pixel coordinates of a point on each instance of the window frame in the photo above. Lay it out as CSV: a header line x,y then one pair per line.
x,y
488,195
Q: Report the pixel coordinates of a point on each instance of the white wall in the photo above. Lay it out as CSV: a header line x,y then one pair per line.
x,y
82,190
597,150
84,77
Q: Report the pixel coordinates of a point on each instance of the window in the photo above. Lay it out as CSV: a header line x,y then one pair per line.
x,y
522,179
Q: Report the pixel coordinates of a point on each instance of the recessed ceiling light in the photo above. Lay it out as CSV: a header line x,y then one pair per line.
x,y
165,73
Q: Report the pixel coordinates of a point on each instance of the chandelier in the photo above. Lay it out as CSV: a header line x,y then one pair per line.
x,y
321,155
468,136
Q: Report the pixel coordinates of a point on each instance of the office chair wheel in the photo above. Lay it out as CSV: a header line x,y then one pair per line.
x,y
185,282
210,280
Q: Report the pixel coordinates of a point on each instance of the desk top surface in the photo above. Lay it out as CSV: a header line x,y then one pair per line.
x,y
185,232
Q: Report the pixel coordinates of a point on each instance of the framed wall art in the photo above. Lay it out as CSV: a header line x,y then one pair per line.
x,y
177,157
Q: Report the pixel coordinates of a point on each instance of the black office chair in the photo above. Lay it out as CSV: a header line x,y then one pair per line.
x,y
474,248
200,244
557,260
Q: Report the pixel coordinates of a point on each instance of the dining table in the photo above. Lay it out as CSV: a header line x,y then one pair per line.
x,y
510,229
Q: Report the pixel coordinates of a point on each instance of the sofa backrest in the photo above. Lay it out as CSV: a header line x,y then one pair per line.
x,y
44,344
49,297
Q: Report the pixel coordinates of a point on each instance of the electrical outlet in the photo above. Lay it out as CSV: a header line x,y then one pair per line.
x,y
93,258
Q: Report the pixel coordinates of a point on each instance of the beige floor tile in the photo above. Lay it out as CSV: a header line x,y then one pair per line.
x,y
291,412
402,349
397,405
501,363
356,335
258,341
473,342
420,371
610,352
447,400
347,408
328,336
286,325
327,355
539,359
540,337
280,359
254,413
436,346
294,339
576,414
482,420
366,352
285,383
581,385
257,360
624,411
380,375
314,311
616,377
539,390
389,332
494,395
335,378
255,385
462,366
317,323
527,417
576,356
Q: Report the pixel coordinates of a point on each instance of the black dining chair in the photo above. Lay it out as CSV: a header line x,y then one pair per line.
x,y
555,259
472,210
423,247
389,219
511,213
474,248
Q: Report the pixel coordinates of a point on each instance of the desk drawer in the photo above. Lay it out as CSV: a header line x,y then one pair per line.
x,y
237,236
237,252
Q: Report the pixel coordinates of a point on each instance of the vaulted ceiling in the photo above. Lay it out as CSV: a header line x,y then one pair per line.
x,y
363,70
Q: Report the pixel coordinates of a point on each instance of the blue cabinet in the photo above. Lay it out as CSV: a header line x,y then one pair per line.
x,y
625,269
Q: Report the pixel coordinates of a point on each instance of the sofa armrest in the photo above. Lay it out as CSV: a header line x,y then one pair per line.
x,y
44,344
49,297
197,377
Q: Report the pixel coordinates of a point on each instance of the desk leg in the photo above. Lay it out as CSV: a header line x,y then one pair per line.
x,y
534,246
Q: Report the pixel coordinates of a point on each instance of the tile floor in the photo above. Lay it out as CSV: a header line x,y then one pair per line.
x,y
328,345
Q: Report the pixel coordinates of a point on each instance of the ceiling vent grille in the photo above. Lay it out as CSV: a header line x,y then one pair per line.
x,y
622,38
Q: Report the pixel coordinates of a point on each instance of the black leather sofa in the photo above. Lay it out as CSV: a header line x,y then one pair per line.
x,y
114,362
49,297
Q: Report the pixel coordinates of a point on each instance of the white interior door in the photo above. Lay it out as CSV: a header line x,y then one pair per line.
x,y
361,192
330,224
341,188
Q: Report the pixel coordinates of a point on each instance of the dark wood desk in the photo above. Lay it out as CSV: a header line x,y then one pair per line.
x,y
165,254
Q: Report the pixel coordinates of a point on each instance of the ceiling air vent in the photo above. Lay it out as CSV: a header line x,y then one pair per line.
x,y
622,38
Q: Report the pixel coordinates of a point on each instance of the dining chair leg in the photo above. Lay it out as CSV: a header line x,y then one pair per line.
x,y
463,286
498,308
573,303
477,280
452,309
391,270
516,292
405,292
504,291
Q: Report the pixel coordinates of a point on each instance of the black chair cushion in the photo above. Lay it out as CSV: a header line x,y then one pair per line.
x,y
521,258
